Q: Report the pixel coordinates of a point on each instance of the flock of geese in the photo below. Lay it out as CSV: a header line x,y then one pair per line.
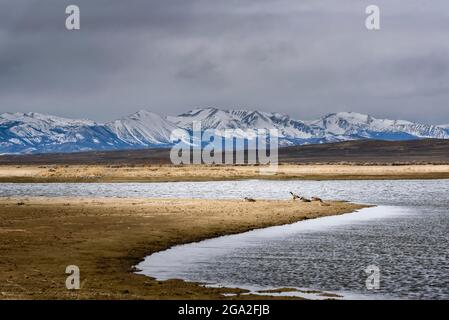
x,y
294,197
302,199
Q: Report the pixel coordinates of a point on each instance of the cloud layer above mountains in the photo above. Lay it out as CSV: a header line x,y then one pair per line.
x,y
303,58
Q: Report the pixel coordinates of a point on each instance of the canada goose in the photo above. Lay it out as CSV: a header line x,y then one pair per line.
x,y
249,199
316,199
294,196
302,199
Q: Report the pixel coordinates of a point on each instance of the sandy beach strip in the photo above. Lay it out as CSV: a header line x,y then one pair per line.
x,y
106,237
165,173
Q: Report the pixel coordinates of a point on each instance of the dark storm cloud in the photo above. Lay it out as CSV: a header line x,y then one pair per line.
x,y
304,58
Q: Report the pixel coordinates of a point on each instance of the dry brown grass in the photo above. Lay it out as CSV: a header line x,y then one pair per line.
x,y
160,173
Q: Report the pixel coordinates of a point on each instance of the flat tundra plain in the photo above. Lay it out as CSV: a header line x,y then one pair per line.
x,y
163,173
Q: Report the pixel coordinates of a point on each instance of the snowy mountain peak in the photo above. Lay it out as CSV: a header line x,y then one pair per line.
x,y
35,132
210,118
34,117
352,125
143,128
143,114
350,116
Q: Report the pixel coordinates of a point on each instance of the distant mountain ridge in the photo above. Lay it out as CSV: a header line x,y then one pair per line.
x,y
39,133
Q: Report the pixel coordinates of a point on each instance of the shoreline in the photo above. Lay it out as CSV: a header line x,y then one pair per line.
x,y
195,173
177,261
107,237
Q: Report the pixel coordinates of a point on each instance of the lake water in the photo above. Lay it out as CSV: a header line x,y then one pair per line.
x,y
406,237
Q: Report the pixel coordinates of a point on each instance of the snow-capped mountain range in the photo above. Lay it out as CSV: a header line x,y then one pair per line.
x,y
38,133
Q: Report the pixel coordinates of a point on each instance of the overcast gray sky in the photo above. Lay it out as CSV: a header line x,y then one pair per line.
x,y
304,58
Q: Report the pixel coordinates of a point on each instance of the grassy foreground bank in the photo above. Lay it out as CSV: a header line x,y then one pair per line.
x,y
105,238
